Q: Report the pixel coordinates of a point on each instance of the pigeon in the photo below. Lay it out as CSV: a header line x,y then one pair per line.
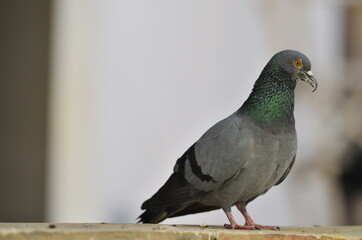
x,y
242,156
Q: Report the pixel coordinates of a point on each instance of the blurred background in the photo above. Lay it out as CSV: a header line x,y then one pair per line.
x,y
98,99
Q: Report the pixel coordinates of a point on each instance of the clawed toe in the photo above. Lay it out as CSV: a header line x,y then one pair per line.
x,y
261,227
228,226
251,227
236,226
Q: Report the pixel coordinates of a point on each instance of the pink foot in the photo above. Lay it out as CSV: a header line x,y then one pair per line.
x,y
236,226
249,223
250,227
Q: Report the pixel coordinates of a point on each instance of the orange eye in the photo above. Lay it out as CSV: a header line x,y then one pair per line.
x,y
297,62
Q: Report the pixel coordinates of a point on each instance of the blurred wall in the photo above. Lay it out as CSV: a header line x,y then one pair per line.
x,y
24,44
349,104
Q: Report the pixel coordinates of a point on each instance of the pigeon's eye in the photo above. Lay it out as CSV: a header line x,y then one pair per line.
x,y
297,62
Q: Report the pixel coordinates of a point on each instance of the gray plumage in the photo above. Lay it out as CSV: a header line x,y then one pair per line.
x,y
243,155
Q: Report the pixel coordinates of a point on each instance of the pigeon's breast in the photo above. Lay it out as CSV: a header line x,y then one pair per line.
x,y
252,158
270,155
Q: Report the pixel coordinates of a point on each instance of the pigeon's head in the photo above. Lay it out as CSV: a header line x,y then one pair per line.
x,y
296,64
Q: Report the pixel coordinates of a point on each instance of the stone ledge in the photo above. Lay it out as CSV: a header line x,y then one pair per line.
x,y
112,231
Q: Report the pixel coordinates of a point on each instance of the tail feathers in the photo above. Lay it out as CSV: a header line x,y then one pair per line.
x,y
153,216
175,198
157,215
171,197
173,192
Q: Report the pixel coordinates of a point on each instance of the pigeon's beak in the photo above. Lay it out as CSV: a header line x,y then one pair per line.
x,y
308,77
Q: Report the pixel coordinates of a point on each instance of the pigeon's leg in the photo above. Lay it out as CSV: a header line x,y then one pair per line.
x,y
250,222
234,225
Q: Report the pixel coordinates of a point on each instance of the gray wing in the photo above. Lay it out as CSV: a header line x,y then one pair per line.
x,y
286,172
218,156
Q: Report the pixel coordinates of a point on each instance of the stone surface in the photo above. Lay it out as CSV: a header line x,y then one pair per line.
x,y
112,231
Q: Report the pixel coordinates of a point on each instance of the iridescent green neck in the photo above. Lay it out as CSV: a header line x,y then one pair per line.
x,y
272,107
272,98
